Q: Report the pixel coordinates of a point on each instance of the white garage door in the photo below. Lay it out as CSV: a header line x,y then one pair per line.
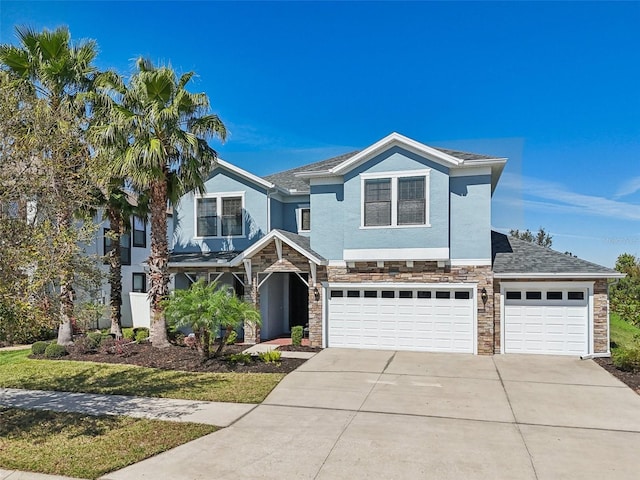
x,y
547,321
424,319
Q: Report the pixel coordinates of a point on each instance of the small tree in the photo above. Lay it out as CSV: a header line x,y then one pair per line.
x,y
541,238
625,294
206,309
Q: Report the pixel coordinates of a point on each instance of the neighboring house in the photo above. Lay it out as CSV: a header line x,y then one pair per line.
x,y
390,247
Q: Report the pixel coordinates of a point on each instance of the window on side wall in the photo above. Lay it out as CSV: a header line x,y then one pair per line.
x,y
139,232
125,247
304,220
139,282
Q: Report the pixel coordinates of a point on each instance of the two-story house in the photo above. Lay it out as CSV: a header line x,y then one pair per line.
x,y
390,247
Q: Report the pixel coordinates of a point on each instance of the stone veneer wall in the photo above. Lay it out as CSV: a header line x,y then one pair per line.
x,y
428,272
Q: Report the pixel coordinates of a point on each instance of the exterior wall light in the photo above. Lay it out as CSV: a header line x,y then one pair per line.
x,y
316,294
484,296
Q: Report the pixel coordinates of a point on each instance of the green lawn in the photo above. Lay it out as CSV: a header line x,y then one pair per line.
x,y
18,371
623,334
84,446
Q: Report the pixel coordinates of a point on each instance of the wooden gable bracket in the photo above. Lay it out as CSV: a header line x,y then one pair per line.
x,y
313,273
239,278
247,269
217,274
278,248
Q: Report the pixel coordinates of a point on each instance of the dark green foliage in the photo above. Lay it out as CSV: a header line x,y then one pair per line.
x,y
54,350
625,294
627,359
296,335
233,337
128,333
541,238
38,348
142,334
241,358
95,338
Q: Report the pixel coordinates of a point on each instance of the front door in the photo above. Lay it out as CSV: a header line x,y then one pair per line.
x,y
298,301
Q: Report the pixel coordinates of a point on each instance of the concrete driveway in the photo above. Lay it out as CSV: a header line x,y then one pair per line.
x,y
396,415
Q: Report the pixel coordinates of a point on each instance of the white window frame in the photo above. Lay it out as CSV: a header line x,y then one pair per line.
x,y
219,197
394,176
299,217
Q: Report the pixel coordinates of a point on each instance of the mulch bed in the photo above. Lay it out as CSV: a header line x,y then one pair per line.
x,y
300,348
186,359
632,379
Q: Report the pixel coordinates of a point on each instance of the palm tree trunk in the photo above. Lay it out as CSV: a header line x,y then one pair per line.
x,y
65,330
115,272
158,264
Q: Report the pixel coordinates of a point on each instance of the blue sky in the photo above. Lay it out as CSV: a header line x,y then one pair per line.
x,y
553,86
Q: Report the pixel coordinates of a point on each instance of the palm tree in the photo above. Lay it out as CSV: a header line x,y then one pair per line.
x,y
57,70
166,154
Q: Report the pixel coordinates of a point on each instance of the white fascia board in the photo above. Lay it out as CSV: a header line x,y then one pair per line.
x,y
243,173
471,262
469,171
558,275
374,254
264,241
563,283
198,264
395,139
404,285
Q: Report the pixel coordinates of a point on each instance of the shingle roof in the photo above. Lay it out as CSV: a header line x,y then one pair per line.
x,y
197,257
512,255
288,180
300,240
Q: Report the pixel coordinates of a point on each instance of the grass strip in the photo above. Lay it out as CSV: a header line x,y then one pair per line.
x,y
624,334
18,371
84,446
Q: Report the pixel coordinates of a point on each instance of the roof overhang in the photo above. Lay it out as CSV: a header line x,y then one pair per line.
x,y
248,176
558,275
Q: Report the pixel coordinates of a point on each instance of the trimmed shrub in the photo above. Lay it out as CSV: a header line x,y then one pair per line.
x,y
271,356
142,334
627,359
241,358
95,338
296,335
128,333
233,336
38,348
54,350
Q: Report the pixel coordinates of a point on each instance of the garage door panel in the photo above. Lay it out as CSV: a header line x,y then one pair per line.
x,y
546,326
422,324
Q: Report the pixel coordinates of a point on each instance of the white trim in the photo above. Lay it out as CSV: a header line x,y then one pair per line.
x,y
336,263
373,254
219,197
217,274
235,274
313,271
247,269
260,283
302,278
469,171
243,173
325,308
475,262
264,241
558,275
403,285
393,178
278,248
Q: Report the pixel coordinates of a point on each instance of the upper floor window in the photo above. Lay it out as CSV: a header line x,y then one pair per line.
x,y
139,232
304,218
125,246
395,199
219,216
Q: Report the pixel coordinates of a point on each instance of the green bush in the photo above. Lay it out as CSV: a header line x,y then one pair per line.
x,y
128,333
271,356
142,334
241,358
627,359
233,337
38,348
54,350
296,335
95,339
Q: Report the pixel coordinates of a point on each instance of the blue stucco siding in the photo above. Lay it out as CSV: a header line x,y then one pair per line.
x,y
290,213
277,214
327,221
471,217
434,235
254,216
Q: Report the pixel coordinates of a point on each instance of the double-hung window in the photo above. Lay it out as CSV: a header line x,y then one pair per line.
x,y
125,246
303,214
219,216
139,232
395,199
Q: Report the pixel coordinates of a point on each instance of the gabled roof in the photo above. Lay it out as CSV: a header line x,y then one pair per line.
x,y
515,258
242,173
297,178
200,259
299,243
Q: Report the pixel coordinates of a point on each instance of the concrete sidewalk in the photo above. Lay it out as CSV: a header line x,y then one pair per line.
x,y
211,413
18,475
